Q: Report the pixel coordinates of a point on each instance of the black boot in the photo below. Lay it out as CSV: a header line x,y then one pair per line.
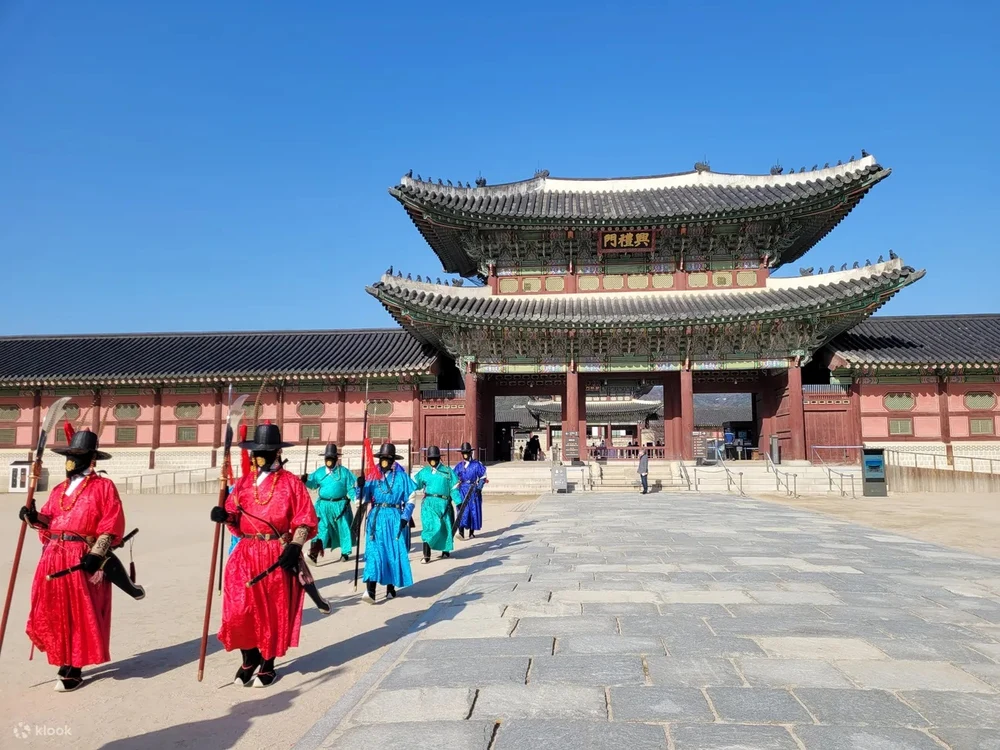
x,y
427,553
445,555
369,595
315,550
344,558
266,675
69,680
390,592
461,533
251,660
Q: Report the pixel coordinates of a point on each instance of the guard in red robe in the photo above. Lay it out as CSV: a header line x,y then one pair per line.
x,y
272,514
70,617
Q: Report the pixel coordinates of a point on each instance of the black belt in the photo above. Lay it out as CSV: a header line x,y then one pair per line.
x,y
439,497
68,536
261,537
397,506
334,499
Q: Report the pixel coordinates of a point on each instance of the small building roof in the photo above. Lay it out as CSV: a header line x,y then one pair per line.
x,y
441,212
925,340
200,357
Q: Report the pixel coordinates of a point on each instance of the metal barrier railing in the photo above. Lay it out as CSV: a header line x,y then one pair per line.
x,y
732,480
914,459
842,476
791,487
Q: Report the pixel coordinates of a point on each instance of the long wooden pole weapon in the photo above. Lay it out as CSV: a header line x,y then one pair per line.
x,y
51,417
361,506
235,414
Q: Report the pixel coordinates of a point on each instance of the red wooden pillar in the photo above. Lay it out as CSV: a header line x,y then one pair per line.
x,y
418,432
217,426
796,415
571,409
856,436
157,408
95,418
943,391
487,421
582,418
471,407
342,416
36,422
687,413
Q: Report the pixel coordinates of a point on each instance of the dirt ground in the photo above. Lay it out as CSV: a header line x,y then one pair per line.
x,y
148,696
969,522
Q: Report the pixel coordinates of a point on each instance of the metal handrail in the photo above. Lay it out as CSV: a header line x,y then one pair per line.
x,y
842,475
684,475
731,479
791,488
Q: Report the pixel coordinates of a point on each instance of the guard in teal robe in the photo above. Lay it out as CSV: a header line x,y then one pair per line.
x,y
437,510
387,532
337,489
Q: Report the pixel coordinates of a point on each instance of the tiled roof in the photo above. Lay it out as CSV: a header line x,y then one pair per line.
x,y
922,340
211,356
410,301
689,194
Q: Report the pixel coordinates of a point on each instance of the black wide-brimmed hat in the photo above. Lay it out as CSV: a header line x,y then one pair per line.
x,y
82,443
387,450
267,437
330,451
466,447
433,452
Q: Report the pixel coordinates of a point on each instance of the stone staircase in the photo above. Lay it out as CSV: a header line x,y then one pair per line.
x,y
613,476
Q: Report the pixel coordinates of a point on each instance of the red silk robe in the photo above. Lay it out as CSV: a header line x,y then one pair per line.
x,y
267,616
70,617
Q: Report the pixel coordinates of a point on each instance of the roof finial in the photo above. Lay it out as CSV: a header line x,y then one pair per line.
x,y
777,169
843,267
826,166
852,157
410,173
815,167
880,259
856,265
541,173
449,184
480,181
419,178
831,270
806,271
440,182
864,154
892,255
702,166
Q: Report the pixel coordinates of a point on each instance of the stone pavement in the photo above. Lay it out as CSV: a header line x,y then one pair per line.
x,y
693,621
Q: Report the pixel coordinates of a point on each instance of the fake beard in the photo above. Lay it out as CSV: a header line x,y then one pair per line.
x,y
78,464
264,460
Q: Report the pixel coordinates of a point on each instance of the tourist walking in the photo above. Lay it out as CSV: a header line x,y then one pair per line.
x,y
83,520
387,532
337,490
271,512
472,476
437,509
644,471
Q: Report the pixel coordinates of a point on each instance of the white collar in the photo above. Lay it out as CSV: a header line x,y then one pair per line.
x,y
75,481
261,476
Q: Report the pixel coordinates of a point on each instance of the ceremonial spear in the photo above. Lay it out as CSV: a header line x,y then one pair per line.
x,y
51,417
235,414
366,458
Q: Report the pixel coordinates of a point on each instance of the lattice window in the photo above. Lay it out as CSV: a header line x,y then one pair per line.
x,y
614,282
309,431
187,434
378,431
637,281
901,426
588,284
698,280
981,426
980,401
8,436
72,411
124,435
380,408
10,412
187,410
663,281
126,412
899,401
722,279
555,284
508,286
310,409
531,285
746,278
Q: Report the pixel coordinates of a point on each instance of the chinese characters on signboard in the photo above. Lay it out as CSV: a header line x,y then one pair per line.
x,y
631,241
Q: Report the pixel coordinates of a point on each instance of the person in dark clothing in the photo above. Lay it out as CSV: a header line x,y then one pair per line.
x,y
644,471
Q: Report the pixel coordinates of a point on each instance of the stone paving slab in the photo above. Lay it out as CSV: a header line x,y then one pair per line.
x,y
731,737
536,734
697,621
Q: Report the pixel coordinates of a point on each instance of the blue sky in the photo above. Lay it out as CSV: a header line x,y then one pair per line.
x,y
215,166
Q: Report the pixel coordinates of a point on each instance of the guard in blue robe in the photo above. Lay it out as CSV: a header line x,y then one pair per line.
x,y
337,490
387,532
472,476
